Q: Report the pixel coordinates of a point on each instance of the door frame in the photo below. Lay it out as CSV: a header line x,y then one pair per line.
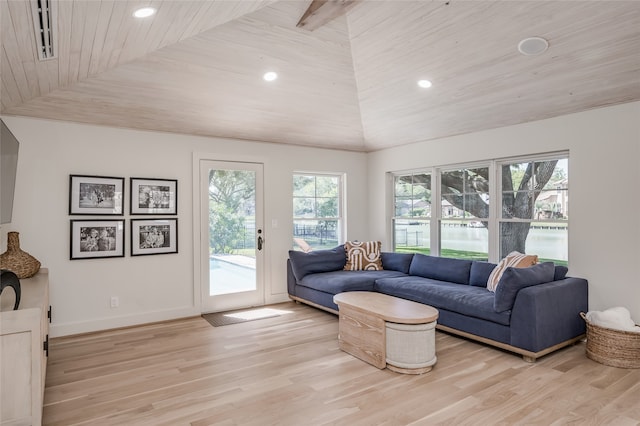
x,y
199,281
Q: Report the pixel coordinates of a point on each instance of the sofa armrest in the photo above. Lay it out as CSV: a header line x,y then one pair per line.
x,y
548,314
291,279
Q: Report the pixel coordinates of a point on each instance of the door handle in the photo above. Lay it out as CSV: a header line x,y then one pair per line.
x,y
260,242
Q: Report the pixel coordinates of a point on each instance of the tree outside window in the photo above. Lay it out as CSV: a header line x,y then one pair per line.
x,y
231,211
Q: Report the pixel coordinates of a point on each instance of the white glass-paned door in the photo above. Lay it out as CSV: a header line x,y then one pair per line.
x,y
232,239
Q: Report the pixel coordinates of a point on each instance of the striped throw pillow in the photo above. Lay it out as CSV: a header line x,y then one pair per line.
x,y
514,260
363,256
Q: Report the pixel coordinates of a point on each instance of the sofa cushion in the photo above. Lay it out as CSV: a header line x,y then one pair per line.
x,y
513,259
363,256
441,268
304,264
464,299
338,281
560,273
400,262
514,279
480,272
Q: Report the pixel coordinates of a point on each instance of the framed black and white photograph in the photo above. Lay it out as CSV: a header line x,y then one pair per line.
x,y
154,196
154,236
92,239
97,195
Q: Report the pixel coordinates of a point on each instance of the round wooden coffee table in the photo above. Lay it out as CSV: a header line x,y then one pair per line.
x,y
387,331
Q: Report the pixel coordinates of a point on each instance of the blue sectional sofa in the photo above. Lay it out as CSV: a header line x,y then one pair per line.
x,y
533,312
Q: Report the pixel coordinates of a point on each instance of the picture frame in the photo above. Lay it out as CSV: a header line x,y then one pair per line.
x,y
153,196
96,195
154,236
91,239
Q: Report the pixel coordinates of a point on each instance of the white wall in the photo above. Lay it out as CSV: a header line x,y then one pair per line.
x,y
604,169
604,178
150,288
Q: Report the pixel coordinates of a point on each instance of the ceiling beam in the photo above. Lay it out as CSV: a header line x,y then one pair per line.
x,y
321,12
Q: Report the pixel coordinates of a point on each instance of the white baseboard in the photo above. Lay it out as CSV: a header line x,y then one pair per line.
x,y
276,298
79,327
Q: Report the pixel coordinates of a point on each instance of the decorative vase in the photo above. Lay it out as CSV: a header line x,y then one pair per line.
x,y
16,260
9,279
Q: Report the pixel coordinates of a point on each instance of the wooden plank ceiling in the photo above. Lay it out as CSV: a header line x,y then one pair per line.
x,y
196,67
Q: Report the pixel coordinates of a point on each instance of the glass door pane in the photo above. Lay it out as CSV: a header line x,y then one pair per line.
x,y
232,229
235,239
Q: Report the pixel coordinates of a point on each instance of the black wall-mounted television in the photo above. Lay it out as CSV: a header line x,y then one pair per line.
x,y
8,167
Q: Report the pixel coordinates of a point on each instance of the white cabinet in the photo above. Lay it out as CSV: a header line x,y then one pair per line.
x,y
24,339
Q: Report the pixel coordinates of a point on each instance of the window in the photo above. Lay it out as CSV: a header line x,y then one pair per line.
x,y
464,213
485,211
411,220
317,211
535,208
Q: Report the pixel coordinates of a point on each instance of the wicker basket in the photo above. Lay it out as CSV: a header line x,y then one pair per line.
x,y
616,348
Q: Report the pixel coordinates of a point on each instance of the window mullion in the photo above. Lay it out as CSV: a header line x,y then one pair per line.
x,y
495,203
436,204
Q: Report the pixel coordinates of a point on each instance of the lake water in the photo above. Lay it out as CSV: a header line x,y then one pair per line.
x,y
546,243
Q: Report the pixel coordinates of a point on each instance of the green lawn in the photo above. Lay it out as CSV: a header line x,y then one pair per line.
x,y
556,261
470,255
458,254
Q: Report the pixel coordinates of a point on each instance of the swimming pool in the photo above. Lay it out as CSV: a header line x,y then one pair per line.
x,y
228,277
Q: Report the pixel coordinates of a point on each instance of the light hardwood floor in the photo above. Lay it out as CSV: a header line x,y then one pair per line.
x,y
288,370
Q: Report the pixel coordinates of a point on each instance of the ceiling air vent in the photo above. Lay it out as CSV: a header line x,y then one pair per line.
x,y
44,21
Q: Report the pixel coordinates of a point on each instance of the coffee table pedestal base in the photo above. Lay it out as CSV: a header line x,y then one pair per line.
x,y
410,348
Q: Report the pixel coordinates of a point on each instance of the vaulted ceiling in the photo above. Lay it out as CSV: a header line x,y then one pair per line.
x,y
196,67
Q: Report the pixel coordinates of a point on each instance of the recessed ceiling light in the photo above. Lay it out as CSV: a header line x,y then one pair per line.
x,y
425,84
270,76
144,12
533,46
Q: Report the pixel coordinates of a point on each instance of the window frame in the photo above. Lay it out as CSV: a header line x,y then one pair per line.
x,y
562,155
437,226
429,218
340,225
